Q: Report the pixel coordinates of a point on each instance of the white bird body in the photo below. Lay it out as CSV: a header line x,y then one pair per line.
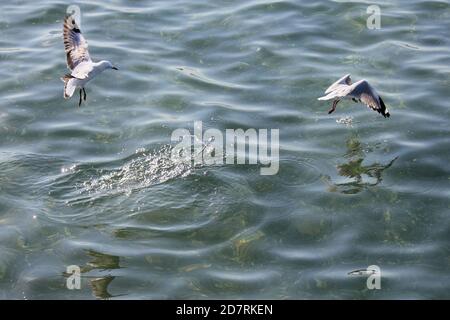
x,y
82,74
83,69
360,91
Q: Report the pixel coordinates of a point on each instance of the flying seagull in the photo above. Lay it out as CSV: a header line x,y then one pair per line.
x,y
83,69
360,91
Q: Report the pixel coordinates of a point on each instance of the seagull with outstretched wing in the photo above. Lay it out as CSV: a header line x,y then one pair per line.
x,y
83,69
360,91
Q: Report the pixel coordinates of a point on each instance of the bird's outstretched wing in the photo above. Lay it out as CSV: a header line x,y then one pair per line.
x,y
369,97
339,91
345,80
75,45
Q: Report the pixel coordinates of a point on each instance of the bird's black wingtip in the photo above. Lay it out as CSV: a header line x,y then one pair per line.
x,y
384,111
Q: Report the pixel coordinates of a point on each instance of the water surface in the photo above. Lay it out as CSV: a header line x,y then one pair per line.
x,y
95,186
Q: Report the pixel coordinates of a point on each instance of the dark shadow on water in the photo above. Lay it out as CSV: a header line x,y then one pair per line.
x,y
362,176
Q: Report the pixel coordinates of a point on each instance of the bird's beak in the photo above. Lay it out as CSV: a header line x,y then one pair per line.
x,y
115,68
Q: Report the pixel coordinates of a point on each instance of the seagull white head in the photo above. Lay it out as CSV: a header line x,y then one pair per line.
x,y
105,64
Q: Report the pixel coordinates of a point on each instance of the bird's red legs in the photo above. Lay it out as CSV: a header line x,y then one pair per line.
x,y
335,102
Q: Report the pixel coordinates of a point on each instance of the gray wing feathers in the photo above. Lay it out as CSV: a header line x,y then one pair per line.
x,y
75,45
364,91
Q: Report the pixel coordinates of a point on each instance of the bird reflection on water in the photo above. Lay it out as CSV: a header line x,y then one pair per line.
x,y
100,287
362,176
92,270
101,262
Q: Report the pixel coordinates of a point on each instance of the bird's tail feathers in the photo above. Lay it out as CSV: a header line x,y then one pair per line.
x,y
69,86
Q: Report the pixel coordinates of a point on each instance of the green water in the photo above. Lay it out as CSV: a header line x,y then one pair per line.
x,y
95,186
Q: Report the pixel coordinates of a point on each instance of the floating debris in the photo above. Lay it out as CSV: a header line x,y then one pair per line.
x,y
362,272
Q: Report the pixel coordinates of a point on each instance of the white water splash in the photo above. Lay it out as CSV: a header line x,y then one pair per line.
x,y
69,169
147,169
347,121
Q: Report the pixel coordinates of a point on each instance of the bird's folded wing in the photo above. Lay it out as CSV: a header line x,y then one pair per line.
x,y
345,80
75,45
